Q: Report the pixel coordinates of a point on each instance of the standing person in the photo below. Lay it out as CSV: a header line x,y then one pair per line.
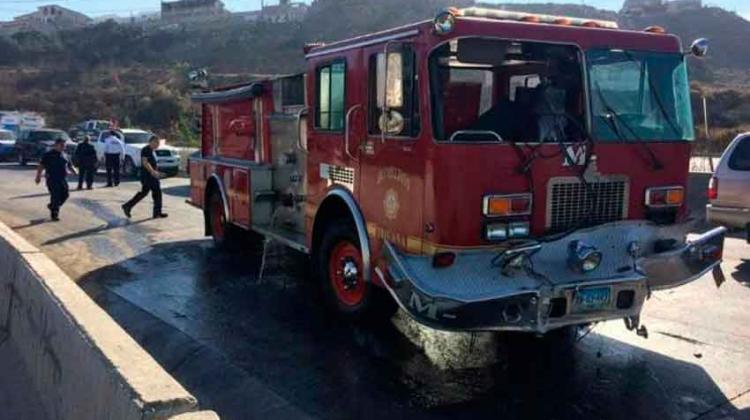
x,y
114,151
55,166
149,181
85,157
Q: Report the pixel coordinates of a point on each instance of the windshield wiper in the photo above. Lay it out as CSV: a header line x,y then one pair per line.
x,y
612,117
657,98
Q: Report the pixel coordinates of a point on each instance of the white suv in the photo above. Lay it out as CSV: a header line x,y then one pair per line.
x,y
167,157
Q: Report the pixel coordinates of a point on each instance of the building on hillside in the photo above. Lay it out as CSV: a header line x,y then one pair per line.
x,y
182,10
683,5
48,18
284,11
639,7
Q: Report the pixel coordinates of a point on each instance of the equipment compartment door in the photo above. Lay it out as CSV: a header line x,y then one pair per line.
x,y
239,197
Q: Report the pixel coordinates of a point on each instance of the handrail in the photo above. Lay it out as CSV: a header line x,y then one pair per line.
x,y
346,130
300,146
476,132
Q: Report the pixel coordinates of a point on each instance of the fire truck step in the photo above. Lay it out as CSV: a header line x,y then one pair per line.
x,y
295,240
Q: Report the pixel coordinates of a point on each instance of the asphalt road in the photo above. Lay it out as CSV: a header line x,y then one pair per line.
x,y
264,348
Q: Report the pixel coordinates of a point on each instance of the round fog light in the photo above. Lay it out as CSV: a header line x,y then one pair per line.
x,y
583,258
591,262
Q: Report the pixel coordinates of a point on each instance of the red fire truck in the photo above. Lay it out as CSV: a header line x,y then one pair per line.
x,y
486,170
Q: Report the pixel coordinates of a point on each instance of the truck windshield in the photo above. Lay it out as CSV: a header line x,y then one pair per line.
x,y
35,136
138,138
639,96
493,90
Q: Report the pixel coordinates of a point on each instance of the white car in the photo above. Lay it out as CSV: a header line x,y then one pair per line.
x,y
7,144
167,157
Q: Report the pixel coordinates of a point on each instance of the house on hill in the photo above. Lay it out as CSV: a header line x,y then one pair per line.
x,y
46,19
640,7
183,10
284,11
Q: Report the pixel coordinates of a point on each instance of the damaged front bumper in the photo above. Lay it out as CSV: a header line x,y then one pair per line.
x,y
534,289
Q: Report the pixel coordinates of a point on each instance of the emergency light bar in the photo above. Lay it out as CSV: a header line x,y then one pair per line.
x,y
480,12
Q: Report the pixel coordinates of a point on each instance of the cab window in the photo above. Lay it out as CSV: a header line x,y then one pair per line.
x,y
330,87
394,108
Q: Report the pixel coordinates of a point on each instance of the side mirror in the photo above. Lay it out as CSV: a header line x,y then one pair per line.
x,y
699,47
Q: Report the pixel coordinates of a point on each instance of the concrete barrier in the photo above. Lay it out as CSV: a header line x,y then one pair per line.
x,y
83,365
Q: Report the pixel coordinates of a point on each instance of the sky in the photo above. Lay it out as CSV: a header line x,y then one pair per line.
x,y
10,8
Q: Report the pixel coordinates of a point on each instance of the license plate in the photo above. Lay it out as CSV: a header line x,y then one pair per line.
x,y
593,299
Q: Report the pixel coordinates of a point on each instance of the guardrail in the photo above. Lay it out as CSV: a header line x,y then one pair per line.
x,y
83,365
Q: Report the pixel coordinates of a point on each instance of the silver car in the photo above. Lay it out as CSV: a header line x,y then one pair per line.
x,y
729,189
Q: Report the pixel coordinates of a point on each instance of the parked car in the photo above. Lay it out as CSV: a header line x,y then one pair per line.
x,y
32,144
729,189
7,145
167,157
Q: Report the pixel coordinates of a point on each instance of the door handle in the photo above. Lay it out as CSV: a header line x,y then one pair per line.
x,y
347,124
302,113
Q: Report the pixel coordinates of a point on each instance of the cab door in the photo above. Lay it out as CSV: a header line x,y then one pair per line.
x,y
336,126
390,159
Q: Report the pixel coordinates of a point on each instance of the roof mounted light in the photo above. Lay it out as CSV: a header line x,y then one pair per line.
x,y
655,29
495,14
445,21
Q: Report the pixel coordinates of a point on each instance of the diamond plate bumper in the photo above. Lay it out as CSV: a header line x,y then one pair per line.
x,y
478,293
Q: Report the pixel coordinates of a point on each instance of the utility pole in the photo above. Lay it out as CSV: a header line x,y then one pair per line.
x,y
708,133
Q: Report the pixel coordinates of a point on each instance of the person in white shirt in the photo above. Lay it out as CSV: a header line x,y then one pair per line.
x,y
114,152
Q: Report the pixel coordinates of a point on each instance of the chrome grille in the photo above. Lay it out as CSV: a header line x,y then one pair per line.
x,y
571,204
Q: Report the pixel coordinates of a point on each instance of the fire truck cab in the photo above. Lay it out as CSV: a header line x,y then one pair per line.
x,y
487,170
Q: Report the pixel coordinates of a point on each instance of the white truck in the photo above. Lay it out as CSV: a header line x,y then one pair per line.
x,y
167,157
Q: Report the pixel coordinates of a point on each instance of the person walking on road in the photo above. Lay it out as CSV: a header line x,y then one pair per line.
x,y
114,152
85,157
55,166
149,181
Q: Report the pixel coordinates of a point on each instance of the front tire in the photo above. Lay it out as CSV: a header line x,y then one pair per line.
x,y
340,271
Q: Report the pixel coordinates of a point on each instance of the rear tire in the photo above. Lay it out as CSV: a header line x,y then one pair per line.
x,y
339,270
224,234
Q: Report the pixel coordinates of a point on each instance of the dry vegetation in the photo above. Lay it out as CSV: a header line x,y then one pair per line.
x,y
137,74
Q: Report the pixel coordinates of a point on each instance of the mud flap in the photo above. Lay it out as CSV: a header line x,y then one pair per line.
x,y
719,278
690,262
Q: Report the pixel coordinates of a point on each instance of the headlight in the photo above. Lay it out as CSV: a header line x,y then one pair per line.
x,y
502,231
583,258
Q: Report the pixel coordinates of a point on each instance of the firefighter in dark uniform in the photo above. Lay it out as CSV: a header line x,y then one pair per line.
x,y
85,158
55,166
149,181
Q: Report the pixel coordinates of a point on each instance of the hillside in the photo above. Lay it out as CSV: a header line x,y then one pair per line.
x,y
136,74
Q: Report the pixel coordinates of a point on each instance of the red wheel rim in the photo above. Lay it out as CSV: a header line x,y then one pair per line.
x,y
345,273
217,218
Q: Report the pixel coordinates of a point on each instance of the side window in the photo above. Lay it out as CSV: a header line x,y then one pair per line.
x,y
393,100
331,87
740,160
